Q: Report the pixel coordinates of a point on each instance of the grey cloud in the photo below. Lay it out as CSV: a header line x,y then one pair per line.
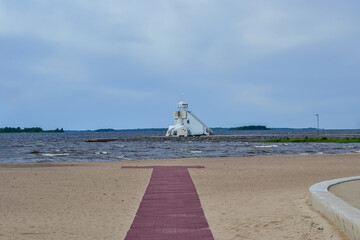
x,y
154,50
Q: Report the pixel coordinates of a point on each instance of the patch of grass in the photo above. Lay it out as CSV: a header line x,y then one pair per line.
x,y
323,139
353,140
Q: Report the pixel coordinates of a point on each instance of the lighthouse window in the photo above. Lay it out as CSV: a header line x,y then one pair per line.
x,y
188,121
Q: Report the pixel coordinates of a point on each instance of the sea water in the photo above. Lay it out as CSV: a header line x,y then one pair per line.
x,y
72,147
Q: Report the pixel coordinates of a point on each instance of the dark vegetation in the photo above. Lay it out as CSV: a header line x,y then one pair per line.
x,y
323,139
128,130
251,127
27,130
105,130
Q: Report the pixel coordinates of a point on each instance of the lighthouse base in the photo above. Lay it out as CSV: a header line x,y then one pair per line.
x,y
178,130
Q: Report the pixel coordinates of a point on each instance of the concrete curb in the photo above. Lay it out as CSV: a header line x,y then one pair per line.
x,y
341,213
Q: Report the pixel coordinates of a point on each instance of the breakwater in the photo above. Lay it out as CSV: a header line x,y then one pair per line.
x,y
225,138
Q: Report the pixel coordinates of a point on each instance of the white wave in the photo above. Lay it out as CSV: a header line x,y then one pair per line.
x,y
266,146
320,153
119,157
196,151
101,153
304,154
357,151
55,154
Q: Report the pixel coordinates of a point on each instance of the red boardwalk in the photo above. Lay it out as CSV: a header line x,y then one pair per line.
x,y
170,208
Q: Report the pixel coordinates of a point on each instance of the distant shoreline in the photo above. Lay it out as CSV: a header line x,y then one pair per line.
x,y
212,128
29,130
217,129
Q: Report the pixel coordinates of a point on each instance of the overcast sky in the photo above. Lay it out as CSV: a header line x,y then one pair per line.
x,y
78,64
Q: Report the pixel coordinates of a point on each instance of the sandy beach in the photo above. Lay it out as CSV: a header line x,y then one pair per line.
x,y
348,192
262,197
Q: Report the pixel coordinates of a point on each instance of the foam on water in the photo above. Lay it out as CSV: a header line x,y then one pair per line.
x,y
105,153
196,151
55,154
266,146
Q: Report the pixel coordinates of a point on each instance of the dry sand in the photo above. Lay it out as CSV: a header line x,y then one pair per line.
x,y
348,192
243,198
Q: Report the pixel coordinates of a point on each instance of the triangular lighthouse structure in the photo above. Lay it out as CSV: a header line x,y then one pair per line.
x,y
187,124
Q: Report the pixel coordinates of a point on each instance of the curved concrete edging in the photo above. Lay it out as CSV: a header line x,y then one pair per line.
x,y
341,213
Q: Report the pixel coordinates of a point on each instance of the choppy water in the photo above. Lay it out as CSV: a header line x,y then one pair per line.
x,y
71,147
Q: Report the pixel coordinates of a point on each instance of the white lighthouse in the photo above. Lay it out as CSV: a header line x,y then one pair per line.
x,y
187,124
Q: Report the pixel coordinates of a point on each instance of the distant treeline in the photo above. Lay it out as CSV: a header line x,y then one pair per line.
x,y
27,130
128,130
251,127
105,130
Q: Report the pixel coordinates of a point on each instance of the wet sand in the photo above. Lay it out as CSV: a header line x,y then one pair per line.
x,y
243,198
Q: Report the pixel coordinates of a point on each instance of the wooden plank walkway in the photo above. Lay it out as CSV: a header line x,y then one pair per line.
x,y
170,208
